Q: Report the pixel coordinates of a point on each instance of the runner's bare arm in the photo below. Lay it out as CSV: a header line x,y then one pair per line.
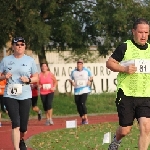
x,y
114,65
90,81
55,80
72,82
5,76
34,78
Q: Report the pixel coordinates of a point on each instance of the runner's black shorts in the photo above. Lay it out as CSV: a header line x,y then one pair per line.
x,y
18,111
129,108
47,101
34,101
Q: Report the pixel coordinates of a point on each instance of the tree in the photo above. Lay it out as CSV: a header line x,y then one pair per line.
x,y
73,23
114,19
67,23
5,27
43,21
22,18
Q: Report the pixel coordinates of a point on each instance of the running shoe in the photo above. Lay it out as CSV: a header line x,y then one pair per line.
x,y
51,122
39,115
85,121
114,145
47,123
22,145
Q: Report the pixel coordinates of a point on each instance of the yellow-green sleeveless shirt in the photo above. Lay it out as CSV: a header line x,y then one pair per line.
x,y
137,84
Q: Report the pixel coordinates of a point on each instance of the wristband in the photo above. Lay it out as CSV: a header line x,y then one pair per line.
x,y
28,81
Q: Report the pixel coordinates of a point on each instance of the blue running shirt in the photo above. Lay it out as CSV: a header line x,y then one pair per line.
x,y
24,66
81,79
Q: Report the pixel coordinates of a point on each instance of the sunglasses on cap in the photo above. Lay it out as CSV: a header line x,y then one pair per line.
x,y
20,44
18,39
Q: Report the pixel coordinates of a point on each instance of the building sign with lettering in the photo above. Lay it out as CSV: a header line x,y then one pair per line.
x,y
104,80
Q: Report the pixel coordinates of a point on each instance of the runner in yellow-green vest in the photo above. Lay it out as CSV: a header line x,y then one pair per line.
x,y
137,84
132,60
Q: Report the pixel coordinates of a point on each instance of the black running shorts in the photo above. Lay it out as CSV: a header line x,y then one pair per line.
x,y
130,107
34,101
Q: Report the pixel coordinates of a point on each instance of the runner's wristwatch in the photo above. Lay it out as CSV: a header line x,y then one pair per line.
x,y
28,81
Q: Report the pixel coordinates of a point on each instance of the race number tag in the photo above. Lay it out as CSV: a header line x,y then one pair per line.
x,y
14,89
46,86
143,65
81,83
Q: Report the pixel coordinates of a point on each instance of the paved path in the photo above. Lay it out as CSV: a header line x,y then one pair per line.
x,y
36,127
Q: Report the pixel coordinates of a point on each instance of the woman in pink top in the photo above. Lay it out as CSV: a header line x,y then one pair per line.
x,y
47,83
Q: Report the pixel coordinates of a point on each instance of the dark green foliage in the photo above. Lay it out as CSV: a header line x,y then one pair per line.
x,y
70,23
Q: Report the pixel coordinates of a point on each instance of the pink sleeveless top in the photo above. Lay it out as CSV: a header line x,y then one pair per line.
x,y
45,80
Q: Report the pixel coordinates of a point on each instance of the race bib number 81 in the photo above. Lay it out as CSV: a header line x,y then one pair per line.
x,y
143,65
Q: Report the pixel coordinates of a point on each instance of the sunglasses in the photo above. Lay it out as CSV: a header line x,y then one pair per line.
x,y
20,44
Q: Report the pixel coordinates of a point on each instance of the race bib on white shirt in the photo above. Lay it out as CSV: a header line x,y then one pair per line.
x,y
81,83
14,89
46,86
143,65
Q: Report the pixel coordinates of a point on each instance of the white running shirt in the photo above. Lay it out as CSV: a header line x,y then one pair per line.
x,y
81,79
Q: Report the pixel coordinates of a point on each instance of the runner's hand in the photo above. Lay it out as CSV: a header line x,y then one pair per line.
x,y
24,79
8,75
72,83
89,83
40,86
53,88
130,69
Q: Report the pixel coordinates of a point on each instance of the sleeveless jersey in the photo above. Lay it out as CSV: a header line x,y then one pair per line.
x,y
137,84
45,80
